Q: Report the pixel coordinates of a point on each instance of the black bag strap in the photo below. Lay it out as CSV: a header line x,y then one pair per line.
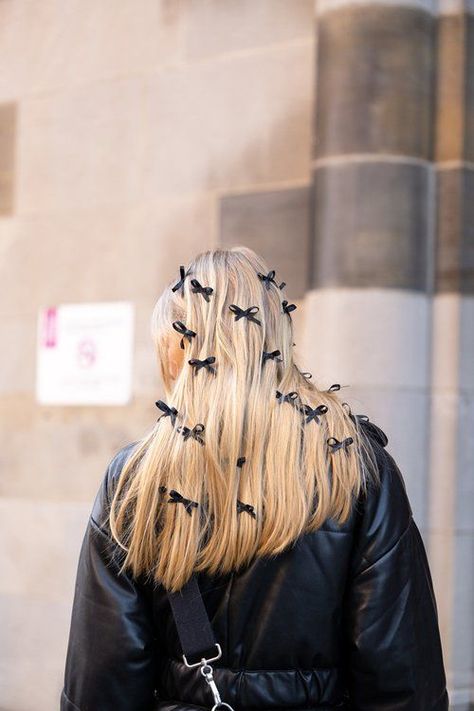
x,y
192,621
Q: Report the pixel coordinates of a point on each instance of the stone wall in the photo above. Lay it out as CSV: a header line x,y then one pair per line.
x,y
336,140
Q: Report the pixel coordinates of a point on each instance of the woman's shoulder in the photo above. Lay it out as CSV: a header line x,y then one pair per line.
x,y
373,431
385,509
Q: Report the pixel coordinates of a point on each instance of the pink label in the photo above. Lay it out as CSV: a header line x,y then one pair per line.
x,y
50,328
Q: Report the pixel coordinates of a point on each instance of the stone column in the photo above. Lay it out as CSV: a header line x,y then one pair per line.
x,y
452,415
368,310
390,312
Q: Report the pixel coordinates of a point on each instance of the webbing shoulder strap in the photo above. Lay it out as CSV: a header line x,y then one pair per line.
x,y
192,621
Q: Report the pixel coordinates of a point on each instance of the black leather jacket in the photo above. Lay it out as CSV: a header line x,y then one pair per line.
x,y
346,619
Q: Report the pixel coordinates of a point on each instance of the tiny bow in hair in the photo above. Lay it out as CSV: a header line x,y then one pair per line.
x,y
206,363
335,387
206,291
247,313
271,355
195,432
287,308
185,332
176,498
183,276
311,414
171,412
335,444
269,278
354,418
241,461
289,397
246,507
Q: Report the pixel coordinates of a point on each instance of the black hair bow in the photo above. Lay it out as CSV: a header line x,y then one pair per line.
x,y
206,291
185,332
271,355
241,461
171,412
288,307
176,498
269,278
311,414
248,313
335,387
354,418
335,444
183,276
195,432
290,397
246,507
207,363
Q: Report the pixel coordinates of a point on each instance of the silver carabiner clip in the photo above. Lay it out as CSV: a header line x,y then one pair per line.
x,y
207,672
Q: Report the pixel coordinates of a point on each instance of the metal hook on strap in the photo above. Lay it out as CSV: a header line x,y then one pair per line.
x,y
207,672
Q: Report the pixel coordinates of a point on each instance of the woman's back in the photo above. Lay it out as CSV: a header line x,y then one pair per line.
x,y
286,505
346,618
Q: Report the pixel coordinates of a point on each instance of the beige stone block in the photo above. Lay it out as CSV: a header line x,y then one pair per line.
x,y
61,453
8,234
323,6
18,338
8,119
51,44
276,224
381,236
447,7
444,446
465,464
8,138
33,651
452,457
454,254
452,415
125,141
375,81
453,336
104,253
83,147
452,95
369,337
39,547
214,27
242,122
402,413
460,699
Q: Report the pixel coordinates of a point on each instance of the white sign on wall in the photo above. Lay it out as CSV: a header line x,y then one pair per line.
x,y
85,353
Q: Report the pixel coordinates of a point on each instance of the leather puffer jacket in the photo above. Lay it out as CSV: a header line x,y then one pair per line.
x,y
346,619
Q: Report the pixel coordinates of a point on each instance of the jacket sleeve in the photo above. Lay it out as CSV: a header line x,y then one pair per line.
x,y
110,661
394,654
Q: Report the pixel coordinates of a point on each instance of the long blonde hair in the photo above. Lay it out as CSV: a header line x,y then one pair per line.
x,y
248,454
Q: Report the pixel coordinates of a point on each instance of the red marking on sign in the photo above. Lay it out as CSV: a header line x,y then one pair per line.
x,y
50,328
86,352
